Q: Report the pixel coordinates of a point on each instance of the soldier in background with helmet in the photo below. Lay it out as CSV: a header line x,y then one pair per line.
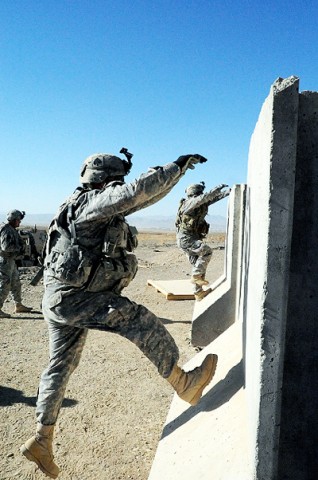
x,y
11,247
89,261
192,228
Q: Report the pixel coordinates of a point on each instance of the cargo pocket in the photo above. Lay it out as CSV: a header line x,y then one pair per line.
x,y
105,276
53,300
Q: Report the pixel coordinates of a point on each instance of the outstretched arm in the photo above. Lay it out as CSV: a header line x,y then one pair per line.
x,y
127,198
217,193
208,198
184,162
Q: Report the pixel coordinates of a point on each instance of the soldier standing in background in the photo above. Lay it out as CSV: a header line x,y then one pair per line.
x,y
89,261
11,247
192,228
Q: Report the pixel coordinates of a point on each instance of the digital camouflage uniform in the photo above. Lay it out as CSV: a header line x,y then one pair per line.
x,y
11,246
95,224
192,227
88,262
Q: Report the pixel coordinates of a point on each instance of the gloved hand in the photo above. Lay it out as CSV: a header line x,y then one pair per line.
x,y
188,161
226,192
222,185
223,194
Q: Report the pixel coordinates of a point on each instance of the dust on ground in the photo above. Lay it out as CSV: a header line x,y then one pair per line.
x,y
116,403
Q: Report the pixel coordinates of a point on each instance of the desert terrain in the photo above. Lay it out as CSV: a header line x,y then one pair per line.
x,y
116,403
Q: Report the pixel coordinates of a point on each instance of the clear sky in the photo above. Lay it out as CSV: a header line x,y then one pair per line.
x,y
162,78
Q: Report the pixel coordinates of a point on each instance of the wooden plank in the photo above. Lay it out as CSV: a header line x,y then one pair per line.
x,y
173,289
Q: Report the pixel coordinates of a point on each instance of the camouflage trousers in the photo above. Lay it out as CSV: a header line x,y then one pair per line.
x,y
198,253
9,280
70,317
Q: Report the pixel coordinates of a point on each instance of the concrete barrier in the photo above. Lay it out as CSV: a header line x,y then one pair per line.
x,y
258,418
297,455
209,441
269,221
216,312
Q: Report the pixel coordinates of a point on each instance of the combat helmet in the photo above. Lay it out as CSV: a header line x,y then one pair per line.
x,y
15,215
195,189
97,167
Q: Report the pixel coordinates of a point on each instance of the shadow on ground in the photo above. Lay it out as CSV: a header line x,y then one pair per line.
x,y
10,396
167,321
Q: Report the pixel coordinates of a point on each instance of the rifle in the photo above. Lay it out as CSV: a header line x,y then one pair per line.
x,y
37,277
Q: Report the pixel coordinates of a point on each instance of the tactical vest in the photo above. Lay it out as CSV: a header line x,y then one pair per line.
x,y
15,247
192,223
97,269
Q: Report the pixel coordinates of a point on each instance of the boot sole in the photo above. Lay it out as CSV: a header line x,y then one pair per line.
x,y
206,293
212,358
32,458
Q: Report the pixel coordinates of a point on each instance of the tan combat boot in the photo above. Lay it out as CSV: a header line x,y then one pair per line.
x,y
20,308
190,385
201,294
4,314
199,280
38,449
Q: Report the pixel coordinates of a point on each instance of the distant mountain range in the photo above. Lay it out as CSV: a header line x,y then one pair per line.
x,y
38,219
159,222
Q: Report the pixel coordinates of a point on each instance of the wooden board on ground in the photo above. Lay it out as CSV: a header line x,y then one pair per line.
x,y
173,289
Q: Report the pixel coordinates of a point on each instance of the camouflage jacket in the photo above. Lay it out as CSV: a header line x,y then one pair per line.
x,y
94,240
193,210
11,244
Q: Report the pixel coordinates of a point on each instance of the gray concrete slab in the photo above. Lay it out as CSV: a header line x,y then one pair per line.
x,y
210,440
269,222
264,427
298,446
213,315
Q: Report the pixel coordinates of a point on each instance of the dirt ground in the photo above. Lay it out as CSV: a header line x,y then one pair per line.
x,y
116,403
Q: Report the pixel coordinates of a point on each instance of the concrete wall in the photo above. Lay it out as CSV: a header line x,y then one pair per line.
x,y
219,310
281,289
298,446
271,175
209,441
258,418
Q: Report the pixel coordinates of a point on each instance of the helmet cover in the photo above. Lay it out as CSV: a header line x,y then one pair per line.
x,y
195,189
15,215
97,167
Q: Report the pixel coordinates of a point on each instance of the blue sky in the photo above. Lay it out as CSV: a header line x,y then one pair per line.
x,y
162,78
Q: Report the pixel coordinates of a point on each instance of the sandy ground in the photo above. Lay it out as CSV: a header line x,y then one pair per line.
x,y
116,403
